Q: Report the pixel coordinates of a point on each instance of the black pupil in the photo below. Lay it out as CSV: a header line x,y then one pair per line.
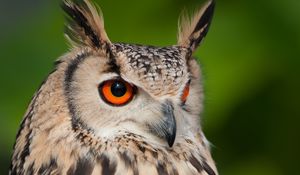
x,y
118,89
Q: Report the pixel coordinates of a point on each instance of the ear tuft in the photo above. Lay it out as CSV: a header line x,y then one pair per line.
x,y
85,25
193,30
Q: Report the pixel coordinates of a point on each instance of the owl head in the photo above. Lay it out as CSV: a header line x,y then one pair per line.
x,y
112,88
108,101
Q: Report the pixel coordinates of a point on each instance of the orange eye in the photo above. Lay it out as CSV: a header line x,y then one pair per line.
x,y
185,93
116,92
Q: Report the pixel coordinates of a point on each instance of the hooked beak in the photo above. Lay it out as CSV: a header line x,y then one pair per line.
x,y
166,127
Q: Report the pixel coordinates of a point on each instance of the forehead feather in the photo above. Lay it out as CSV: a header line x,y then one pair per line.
x,y
160,70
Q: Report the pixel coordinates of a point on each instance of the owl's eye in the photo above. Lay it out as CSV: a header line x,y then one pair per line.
x,y
185,93
116,92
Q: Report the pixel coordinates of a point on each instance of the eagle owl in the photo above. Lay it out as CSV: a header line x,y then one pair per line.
x,y
118,109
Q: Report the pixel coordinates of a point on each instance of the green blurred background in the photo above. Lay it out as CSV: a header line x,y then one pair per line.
x,y
250,59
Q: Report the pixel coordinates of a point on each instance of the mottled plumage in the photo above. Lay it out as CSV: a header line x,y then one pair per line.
x,y
70,128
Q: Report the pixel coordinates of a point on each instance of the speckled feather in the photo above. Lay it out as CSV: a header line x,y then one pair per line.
x,y
157,66
68,129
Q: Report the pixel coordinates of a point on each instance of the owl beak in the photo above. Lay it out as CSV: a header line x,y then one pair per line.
x,y
169,123
165,128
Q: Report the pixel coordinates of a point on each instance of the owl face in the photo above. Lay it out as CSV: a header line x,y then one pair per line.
x,y
112,88
144,90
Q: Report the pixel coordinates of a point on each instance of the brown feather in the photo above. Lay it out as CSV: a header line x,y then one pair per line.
x,y
193,29
85,25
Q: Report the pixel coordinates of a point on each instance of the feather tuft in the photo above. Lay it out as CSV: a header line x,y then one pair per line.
x,y
193,29
85,24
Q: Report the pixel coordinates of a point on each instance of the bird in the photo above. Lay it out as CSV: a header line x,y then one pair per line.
x,y
112,108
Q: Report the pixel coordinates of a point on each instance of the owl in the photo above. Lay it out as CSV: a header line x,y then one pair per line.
x,y
118,109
